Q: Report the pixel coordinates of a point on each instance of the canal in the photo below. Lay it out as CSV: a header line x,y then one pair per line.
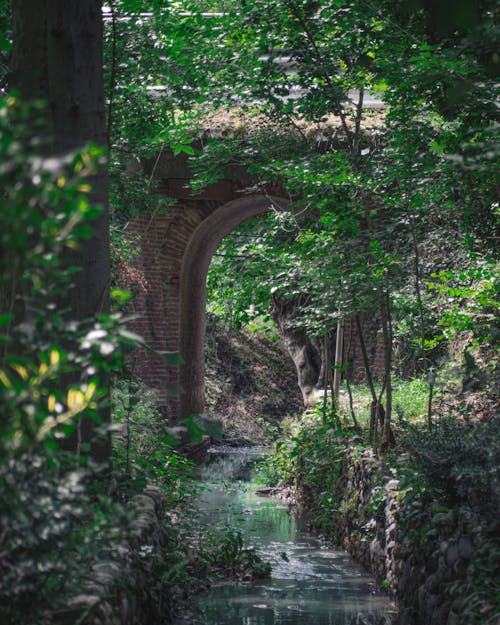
x,y
311,582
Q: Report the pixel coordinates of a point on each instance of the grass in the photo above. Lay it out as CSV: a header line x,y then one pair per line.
x,y
409,401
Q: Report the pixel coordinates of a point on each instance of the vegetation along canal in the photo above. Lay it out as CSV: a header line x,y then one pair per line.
x,y
310,584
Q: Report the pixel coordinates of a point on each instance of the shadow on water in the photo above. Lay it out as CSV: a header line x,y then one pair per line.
x,y
311,583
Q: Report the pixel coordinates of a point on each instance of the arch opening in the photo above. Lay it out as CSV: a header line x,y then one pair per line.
x,y
196,261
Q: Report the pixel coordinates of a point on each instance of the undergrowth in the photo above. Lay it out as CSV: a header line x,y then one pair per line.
x,y
410,400
193,554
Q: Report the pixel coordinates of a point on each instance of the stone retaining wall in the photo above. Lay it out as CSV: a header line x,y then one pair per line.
x,y
116,588
419,552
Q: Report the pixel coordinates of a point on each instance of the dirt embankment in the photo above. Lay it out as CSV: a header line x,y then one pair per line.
x,y
251,383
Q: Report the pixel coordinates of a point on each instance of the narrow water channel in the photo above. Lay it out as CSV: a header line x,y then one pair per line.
x,y
311,583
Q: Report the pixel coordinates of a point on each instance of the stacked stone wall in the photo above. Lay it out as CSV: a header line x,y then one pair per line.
x,y
117,590
419,552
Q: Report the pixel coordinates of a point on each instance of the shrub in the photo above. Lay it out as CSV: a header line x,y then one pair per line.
x,y
52,375
462,460
50,533
143,451
311,459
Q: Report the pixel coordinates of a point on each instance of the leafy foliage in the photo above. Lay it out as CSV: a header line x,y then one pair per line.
x,y
311,461
51,533
461,460
480,604
52,376
142,453
383,210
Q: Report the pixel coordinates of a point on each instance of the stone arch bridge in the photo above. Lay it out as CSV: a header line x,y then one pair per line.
x,y
175,253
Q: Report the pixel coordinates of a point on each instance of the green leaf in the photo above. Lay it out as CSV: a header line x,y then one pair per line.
x,y
6,319
196,433
5,44
212,427
121,295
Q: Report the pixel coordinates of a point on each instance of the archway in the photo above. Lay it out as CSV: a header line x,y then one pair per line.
x,y
195,264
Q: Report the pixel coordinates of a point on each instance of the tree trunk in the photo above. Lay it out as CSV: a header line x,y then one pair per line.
x,y
387,435
58,57
29,73
306,359
304,354
339,361
375,405
76,98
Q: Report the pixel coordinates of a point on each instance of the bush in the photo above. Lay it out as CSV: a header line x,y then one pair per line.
x,y
143,451
481,603
462,460
311,459
50,533
53,373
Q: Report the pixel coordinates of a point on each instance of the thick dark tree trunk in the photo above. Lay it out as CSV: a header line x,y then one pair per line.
x,y
76,98
57,57
29,73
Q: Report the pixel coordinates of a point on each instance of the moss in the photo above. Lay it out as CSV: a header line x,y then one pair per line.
x,y
350,505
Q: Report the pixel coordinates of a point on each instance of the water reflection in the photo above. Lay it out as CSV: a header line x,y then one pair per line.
x,y
311,584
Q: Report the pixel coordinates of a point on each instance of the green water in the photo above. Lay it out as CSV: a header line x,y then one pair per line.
x,y
311,583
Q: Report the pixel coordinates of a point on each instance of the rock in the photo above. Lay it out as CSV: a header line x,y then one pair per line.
x,y
155,493
452,618
452,555
391,530
125,611
376,550
443,518
392,485
106,573
465,548
390,546
432,582
82,601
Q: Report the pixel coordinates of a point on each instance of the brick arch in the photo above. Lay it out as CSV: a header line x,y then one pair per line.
x,y
174,253
195,264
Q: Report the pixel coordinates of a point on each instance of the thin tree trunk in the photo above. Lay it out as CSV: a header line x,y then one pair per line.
x,y
374,411
351,406
431,378
337,375
418,291
366,361
387,334
326,370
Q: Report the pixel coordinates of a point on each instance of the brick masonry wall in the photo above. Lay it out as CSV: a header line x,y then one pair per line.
x,y
163,239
